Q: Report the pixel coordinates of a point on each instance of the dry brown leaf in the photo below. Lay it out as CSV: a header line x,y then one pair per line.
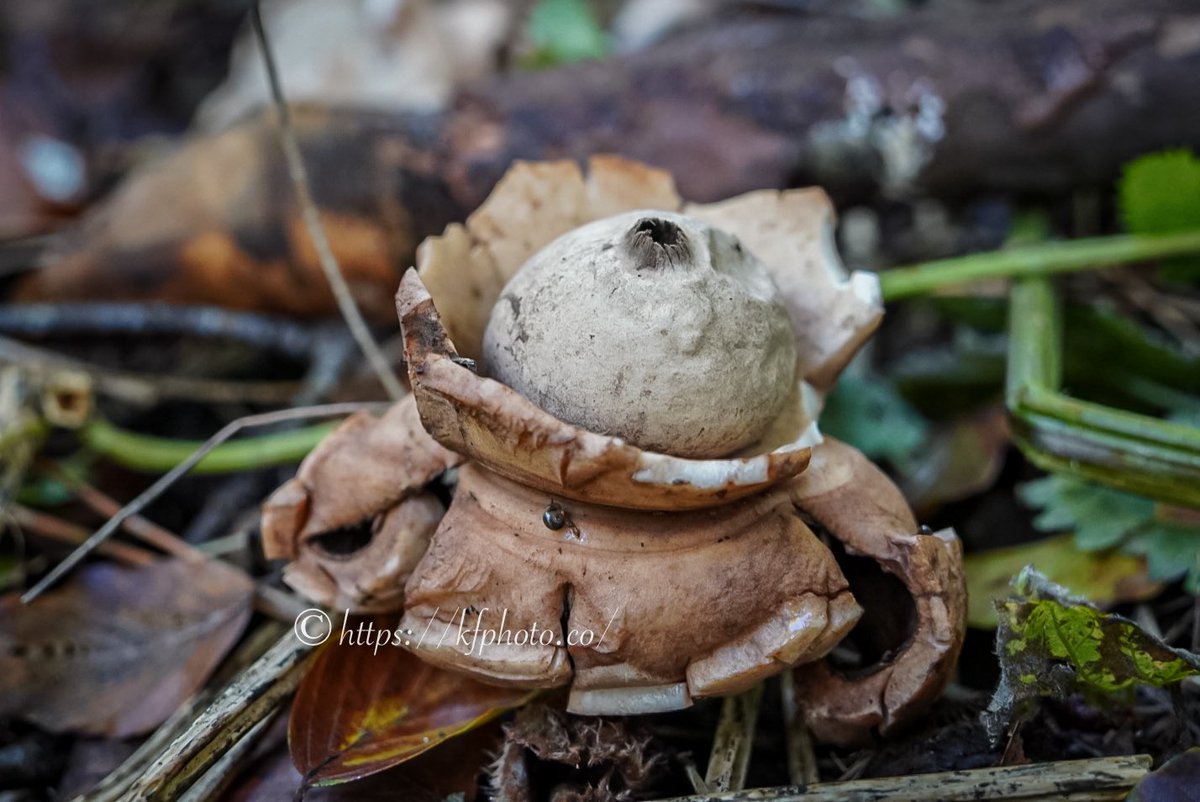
x,y
116,650
362,709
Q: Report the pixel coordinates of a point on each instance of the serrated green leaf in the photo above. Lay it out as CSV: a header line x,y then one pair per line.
x,y
1053,644
1101,517
1039,492
1104,518
1160,193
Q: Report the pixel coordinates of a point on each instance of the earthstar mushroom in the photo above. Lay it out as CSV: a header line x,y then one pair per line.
x,y
698,560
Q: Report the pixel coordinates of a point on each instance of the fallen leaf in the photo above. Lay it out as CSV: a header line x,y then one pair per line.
x,y
1103,577
452,768
361,709
115,650
387,57
1053,644
1177,780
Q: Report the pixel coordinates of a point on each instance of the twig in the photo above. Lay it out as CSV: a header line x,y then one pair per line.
x,y
269,601
219,546
253,696
312,220
232,497
143,529
224,771
801,759
857,768
733,741
1096,780
166,480
1034,260
65,532
693,774
281,605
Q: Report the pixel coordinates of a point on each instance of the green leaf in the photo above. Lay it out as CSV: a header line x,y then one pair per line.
x,y
1160,193
1053,644
1101,517
1172,551
565,31
870,414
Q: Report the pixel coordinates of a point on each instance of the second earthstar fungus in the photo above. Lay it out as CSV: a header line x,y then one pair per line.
x,y
630,406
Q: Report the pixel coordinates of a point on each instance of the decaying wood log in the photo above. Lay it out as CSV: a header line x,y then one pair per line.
x,y
1005,96
1107,778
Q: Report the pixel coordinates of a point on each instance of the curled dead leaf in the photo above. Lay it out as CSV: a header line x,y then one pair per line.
x,y
356,518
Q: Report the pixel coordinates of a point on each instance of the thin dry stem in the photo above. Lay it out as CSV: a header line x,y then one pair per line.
x,y
166,480
733,741
49,526
801,758
312,221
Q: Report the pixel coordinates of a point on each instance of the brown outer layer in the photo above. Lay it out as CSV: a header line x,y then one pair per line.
x,y
370,469
716,593
718,598
496,426
861,507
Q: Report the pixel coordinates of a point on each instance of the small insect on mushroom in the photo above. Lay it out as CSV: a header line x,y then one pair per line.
x,y
555,518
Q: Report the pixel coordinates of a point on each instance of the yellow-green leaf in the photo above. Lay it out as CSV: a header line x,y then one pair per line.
x,y
1103,577
1052,644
